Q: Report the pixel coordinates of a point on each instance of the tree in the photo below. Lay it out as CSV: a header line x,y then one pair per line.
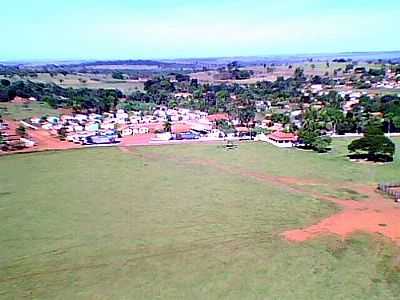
x,y
21,131
312,132
232,66
334,116
246,114
5,82
299,74
117,75
222,97
51,101
374,145
313,67
168,125
322,143
62,133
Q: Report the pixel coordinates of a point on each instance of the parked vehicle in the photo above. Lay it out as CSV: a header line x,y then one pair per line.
x,y
99,139
188,136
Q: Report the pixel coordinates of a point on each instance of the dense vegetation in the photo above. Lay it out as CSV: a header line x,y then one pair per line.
x,y
99,100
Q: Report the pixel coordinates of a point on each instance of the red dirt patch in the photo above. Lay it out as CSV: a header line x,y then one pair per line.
x,y
44,140
374,215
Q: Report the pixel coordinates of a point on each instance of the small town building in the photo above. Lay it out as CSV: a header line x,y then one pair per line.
x,y
282,139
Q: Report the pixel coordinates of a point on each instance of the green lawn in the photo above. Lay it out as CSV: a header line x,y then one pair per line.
x,y
104,224
22,111
263,157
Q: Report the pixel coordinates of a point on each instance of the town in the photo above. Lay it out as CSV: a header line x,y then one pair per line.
x,y
301,110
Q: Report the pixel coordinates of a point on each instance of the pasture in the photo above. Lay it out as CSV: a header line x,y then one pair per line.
x,y
23,111
185,222
263,74
90,81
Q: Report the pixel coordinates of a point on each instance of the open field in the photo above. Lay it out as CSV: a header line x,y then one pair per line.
x,y
333,166
22,111
91,81
262,74
188,222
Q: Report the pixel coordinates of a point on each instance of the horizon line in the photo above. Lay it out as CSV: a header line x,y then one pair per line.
x,y
46,60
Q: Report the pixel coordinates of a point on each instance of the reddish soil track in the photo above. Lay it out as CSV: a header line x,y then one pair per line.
x,y
374,214
136,140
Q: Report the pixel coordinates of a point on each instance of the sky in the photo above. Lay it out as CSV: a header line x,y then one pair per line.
x,y
151,29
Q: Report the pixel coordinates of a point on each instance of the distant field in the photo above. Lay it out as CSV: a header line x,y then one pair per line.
x,y
170,223
125,67
21,111
91,81
260,73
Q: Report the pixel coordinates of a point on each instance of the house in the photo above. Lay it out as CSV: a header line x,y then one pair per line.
x,y
183,95
218,117
181,128
92,127
242,131
348,105
202,125
121,116
282,139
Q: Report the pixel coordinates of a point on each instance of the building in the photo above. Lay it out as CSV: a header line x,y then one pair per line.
x,y
218,117
282,139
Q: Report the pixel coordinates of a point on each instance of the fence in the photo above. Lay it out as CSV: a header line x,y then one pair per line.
x,y
392,189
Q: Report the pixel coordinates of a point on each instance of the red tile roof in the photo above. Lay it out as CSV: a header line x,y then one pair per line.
x,y
283,136
180,128
218,117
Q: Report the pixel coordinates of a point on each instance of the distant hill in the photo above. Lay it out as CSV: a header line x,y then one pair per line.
x,y
213,62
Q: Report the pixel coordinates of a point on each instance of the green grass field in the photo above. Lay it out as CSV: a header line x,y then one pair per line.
x,y
22,111
105,224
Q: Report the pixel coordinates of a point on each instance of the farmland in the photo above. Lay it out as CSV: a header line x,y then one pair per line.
x,y
262,73
91,81
182,222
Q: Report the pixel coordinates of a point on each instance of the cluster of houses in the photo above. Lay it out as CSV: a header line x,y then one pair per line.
x,y
391,81
183,124
110,128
